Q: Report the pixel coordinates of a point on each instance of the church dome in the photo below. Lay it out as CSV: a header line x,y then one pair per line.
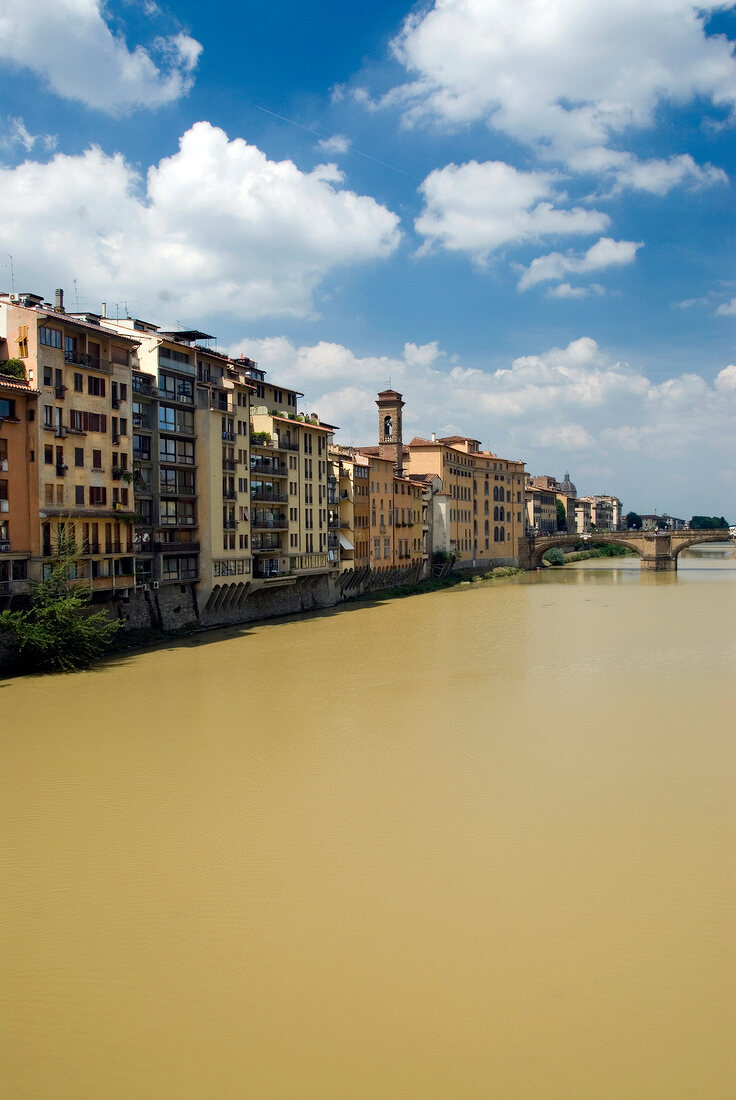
x,y
568,487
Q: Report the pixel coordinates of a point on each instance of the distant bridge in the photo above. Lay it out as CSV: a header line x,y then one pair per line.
x,y
658,550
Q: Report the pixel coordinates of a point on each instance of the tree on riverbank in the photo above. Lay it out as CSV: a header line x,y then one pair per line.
x,y
633,521
708,523
57,633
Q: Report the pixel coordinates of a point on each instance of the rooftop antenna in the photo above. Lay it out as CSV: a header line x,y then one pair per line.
x,y
76,295
12,274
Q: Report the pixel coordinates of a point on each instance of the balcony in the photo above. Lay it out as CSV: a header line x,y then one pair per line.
x,y
229,524
229,464
61,469
228,437
265,544
59,392
276,521
176,545
268,495
288,445
266,574
91,362
146,389
268,469
229,494
333,542
333,522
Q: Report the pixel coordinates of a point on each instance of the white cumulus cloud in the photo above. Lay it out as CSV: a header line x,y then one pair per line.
x,y
727,309
478,208
334,145
216,228
567,408
604,253
569,78
70,46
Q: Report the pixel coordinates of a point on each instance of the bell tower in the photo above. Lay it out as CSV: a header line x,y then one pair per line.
x,y
390,445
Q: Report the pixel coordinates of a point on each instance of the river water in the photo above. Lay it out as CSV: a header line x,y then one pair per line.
x,y
474,844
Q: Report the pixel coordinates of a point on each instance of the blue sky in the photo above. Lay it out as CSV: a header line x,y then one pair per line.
x,y
519,212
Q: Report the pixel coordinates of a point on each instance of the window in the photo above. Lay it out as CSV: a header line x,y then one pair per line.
x,y
96,386
70,348
97,494
97,460
142,448
23,341
387,548
377,548
48,376
79,494
48,454
79,456
50,337
119,355
87,422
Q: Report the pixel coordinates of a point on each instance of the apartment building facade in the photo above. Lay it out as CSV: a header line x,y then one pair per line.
x,y
82,441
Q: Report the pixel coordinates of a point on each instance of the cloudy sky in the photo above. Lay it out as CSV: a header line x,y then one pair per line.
x,y
517,212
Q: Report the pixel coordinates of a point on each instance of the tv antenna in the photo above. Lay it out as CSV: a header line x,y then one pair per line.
x,y
12,274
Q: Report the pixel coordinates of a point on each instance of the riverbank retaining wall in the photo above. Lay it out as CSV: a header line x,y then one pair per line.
x,y
179,608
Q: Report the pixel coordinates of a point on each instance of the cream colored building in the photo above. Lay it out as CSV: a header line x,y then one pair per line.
x,y
80,445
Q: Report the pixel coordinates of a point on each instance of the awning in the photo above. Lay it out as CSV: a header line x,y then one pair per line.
x,y
346,543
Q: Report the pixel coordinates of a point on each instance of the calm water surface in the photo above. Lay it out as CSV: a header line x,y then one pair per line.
x,y
475,844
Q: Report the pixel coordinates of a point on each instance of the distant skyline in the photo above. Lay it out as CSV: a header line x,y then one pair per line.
x,y
521,213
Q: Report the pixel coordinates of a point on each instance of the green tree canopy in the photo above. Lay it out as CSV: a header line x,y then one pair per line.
x,y
561,516
707,523
58,633
633,521
14,368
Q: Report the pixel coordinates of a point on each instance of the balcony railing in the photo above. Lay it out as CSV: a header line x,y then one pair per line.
x,y
276,522
229,524
229,464
60,469
229,494
288,445
269,469
265,495
262,544
177,545
229,437
92,362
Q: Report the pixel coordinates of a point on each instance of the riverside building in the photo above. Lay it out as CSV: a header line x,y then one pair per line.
x,y
79,441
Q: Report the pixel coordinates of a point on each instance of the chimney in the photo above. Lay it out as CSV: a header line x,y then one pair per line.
x,y
59,303
434,437
103,309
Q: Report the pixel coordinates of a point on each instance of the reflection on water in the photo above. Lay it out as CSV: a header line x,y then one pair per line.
x,y
476,844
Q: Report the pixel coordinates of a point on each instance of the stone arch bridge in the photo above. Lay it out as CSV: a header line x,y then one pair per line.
x,y
658,550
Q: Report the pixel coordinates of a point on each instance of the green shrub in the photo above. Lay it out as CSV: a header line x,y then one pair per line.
x,y
554,557
15,368
57,634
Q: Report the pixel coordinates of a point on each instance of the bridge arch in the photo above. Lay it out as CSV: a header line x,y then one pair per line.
x,y
657,550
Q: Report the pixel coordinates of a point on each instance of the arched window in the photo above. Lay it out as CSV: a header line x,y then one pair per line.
x,y
485,507
488,527
486,488
501,514
495,512
503,534
495,492
501,495
495,534
387,427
